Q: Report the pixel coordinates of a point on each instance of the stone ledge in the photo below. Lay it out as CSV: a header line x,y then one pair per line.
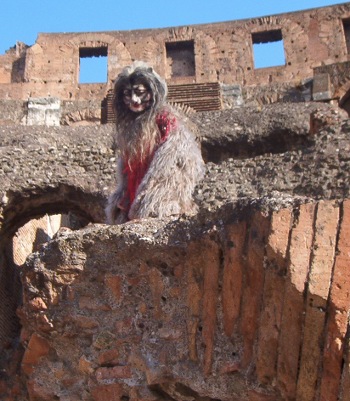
x,y
173,327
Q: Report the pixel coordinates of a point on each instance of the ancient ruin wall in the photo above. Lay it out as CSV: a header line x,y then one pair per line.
x,y
221,52
266,159
276,162
221,307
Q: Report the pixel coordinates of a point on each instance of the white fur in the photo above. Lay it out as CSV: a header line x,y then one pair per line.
x,y
176,167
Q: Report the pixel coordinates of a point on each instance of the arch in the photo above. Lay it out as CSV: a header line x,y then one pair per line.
x,y
20,209
61,198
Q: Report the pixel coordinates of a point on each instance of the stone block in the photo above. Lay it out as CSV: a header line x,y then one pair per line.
x,y
108,392
44,111
114,284
38,347
321,89
253,284
116,372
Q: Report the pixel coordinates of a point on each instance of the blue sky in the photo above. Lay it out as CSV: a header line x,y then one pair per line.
x,y
22,20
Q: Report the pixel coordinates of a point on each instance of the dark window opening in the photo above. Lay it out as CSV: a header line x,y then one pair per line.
x,y
182,61
92,65
346,27
268,49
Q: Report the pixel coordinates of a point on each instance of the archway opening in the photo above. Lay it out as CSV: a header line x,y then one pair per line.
x,y
27,236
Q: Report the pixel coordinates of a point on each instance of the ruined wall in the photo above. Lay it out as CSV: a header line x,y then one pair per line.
x,y
247,301
250,303
220,52
258,161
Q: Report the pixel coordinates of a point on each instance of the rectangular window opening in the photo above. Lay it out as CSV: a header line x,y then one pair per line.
x,y
93,65
181,57
268,49
346,27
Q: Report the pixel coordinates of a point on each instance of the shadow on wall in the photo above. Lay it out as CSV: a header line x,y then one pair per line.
x,y
24,232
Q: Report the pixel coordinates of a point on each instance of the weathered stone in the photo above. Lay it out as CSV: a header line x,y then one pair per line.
x,y
233,275
117,372
249,299
109,357
253,284
37,348
107,392
301,238
337,322
274,287
187,344
317,295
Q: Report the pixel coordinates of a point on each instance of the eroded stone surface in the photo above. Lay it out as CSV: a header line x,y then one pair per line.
x,y
202,308
139,309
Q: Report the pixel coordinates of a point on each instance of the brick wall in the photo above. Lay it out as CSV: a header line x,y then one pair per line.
x,y
222,52
255,309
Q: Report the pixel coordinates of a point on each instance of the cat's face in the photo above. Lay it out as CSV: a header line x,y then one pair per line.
x,y
137,97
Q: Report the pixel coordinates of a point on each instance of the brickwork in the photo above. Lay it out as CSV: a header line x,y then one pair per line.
x,y
248,300
212,53
151,320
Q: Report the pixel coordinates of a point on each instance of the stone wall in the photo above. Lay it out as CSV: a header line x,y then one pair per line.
x,y
250,303
248,300
265,167
212,53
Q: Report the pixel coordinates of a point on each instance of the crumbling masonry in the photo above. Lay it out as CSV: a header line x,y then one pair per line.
x,y
248,300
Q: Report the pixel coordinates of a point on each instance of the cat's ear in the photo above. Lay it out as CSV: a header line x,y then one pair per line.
x,y
150,69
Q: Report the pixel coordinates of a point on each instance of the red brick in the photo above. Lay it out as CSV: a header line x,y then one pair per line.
x,y
90,303
109,392
345,381
110,357
318,289
194,270
38,347
179,271
293,305
211,262
253,282
116,372
85,365
273,294
85,322
337,313
233,275
114,283
192,329
157,289
124,327
254,395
